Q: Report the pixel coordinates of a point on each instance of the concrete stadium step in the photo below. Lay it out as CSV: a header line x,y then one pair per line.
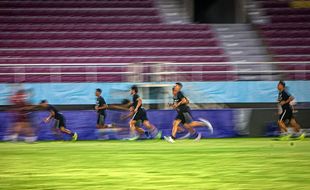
x,y
173,11
247,58
242,44
242,39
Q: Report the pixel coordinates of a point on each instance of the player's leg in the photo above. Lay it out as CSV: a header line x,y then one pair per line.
x,y
180,129
14,132
282,126
135,131
68,132
152,132
190,124
193,133
28,132
182,132
295,125
284,132
100,121
56,131
134,127
63,129
297,129
175,126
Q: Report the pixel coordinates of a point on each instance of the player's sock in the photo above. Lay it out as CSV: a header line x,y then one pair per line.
x,y
296,134
71,134
194,135
147,134
285,136
154,132
75,136
184,135
169,139
302,136
30,139
13,137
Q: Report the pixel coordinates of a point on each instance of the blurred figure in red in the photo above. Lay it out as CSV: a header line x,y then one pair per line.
x,y
21,125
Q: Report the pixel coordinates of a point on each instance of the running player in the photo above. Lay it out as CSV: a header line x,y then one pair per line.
x,y
60,121
184,117
21,124
101,106
284,99
139,113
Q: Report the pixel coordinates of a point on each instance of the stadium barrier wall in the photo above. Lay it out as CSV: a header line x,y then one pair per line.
x,y
84,123
244,122
197,92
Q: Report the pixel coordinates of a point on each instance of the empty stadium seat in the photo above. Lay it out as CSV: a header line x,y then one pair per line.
x,y
106,35
103,27
108,43
97,32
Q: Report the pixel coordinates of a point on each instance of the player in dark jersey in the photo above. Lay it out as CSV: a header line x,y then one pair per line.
x,y
178,86
60,121
184,117
101,106
139,114
284,99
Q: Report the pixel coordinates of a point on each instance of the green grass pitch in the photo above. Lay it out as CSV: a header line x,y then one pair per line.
x,y
240,163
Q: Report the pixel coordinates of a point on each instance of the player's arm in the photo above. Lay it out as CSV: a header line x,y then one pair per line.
x,y
129,115
187,100
183,101
46,120
121,107
125,105
31,107
139,104
291,98
104,106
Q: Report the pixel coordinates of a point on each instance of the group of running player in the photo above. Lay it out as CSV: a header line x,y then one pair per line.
x,y
183,124
139,115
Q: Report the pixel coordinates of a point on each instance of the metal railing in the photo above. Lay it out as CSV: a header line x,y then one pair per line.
x,y
154,71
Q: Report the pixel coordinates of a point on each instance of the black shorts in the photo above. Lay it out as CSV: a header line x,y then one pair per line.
x,y
60,122
101,119
286,115
185,117
140,115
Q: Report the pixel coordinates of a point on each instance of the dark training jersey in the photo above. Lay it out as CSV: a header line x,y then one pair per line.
x,y
57,115
284,96
100,102
178,98
135,101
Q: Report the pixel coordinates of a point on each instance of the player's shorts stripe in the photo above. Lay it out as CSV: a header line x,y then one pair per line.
x,y
283,115
134,115
57,123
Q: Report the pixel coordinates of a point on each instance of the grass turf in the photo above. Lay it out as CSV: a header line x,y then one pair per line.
x,y
209,164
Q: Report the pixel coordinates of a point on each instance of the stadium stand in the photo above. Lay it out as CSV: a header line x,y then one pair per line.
x,y
94,36
286,34
99,33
